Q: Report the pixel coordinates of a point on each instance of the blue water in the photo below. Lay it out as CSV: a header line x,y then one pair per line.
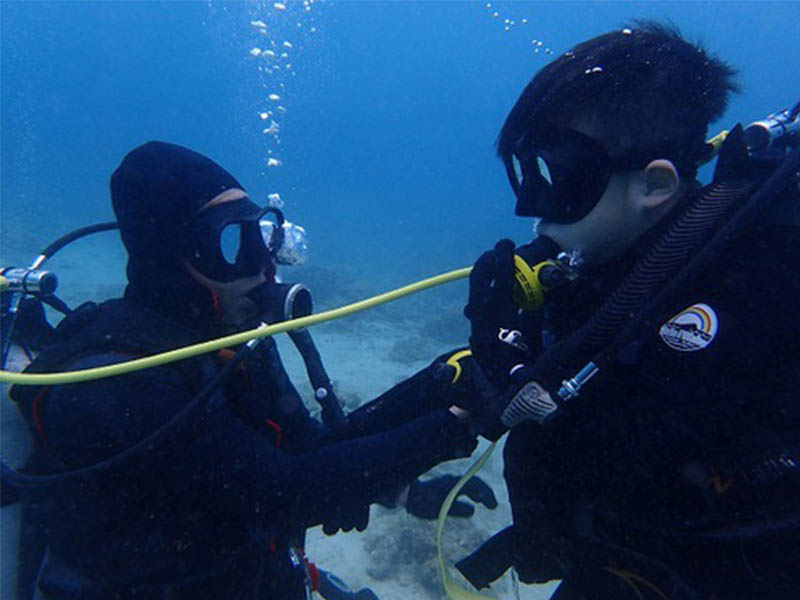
x,y
392,110
387,142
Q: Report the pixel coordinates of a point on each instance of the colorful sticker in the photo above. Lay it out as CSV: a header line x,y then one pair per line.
x,y
691,329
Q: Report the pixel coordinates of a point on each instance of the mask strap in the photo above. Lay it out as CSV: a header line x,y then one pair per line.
x,y
278,234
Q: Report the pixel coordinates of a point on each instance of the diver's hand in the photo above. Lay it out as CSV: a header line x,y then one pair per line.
x,y
462,381
425,498
472,397
493,314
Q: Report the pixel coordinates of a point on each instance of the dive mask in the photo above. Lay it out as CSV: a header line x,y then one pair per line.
x,y
235,239
561,176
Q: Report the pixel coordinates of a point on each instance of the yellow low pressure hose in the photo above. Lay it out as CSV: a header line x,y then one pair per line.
x,y
453,589
230,340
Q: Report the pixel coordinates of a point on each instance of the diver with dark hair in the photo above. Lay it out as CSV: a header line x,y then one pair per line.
x,y
198,479
651,384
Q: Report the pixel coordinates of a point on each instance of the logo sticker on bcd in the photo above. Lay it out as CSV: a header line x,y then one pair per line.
x,y
691,329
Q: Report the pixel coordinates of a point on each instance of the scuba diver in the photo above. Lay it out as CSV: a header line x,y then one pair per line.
x,y
198,479
644,347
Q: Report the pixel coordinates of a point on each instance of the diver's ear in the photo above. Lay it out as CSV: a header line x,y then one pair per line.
x,y
659,183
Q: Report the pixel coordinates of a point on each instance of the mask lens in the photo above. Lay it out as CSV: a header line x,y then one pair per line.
x,y
544,170
517,169
230,242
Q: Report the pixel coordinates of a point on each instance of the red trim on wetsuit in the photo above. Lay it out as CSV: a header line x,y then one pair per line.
x,y
226,354
314,575
278,432
36,414
217,306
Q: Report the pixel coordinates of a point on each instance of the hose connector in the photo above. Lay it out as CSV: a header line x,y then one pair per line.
x,y
571,388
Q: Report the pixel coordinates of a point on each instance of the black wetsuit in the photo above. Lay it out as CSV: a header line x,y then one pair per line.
x,y
211,510
677,472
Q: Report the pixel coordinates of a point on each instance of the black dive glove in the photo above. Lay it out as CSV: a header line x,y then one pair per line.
x,y
494,316
466,387
425,498
347,518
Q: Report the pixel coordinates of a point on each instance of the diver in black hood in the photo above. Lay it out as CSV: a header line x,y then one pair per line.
x,y
214,504
650,388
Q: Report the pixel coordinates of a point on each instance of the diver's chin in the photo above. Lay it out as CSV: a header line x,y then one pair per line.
x,y
239,314
239,309
239,301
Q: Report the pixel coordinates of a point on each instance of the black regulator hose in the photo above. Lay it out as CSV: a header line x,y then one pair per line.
x,y
77,234
332,413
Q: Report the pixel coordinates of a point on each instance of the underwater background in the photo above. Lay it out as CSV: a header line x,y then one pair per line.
x,y
374,122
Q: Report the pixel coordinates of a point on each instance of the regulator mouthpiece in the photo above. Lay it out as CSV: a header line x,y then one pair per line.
x,y
286,301
535,277
28,281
